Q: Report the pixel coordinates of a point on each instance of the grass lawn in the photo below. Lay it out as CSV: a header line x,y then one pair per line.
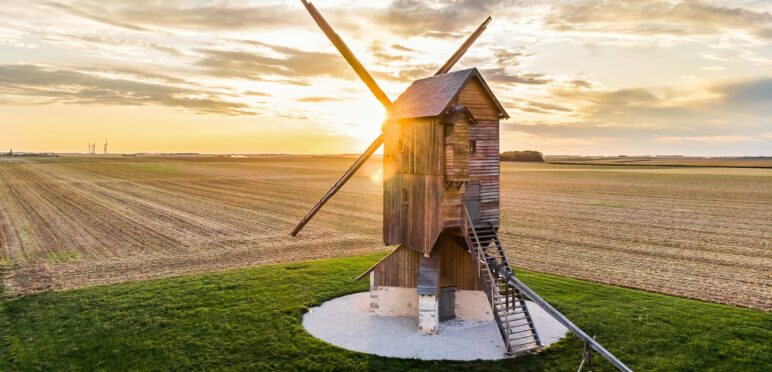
x,y
250,319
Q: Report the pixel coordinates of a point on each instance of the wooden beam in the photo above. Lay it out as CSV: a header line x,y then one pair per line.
x,y
348,55
461,50
342,181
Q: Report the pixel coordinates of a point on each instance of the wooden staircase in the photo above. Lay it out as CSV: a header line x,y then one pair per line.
x,y
507,302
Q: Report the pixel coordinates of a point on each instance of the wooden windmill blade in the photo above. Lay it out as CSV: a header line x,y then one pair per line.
x,y
376,90
461,50
342,181
348,55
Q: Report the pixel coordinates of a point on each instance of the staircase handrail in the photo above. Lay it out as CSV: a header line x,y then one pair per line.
x,y
509,277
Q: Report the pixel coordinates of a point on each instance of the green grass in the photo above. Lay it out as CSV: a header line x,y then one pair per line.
x,y
250,319
63,256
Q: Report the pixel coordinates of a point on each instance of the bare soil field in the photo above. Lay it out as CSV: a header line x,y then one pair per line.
x,y
76,221
676,161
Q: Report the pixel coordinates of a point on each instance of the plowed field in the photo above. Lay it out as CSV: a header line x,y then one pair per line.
x,y
68,222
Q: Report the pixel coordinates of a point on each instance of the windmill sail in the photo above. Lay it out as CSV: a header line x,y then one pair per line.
x,y
350,172
463,48
348,55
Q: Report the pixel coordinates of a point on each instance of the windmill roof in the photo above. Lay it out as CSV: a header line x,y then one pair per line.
x,y
432,96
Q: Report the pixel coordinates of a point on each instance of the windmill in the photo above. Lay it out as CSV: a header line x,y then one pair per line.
x,y
441,207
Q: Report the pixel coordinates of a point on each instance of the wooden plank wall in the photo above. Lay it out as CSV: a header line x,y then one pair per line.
x,y
484,163
451,206
391,190
400,269
457,149
456,267
477,101
456,169
418,168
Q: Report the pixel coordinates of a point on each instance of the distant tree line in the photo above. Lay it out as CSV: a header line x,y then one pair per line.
x,y
527,155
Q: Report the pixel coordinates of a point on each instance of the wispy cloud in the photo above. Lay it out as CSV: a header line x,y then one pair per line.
x,y
572,73
707,139
271,60
73,87
145,15
653,17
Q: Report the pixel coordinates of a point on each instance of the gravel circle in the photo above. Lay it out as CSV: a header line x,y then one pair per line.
x,y
347,323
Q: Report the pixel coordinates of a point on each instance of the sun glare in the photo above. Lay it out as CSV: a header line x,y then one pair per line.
x,y
376,176
361,119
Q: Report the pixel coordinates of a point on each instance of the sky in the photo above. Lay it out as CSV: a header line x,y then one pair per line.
x,y
641,77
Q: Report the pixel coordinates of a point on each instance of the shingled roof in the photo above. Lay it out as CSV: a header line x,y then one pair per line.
x,y
433,95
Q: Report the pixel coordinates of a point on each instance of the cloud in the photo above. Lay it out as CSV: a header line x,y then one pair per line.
x,y
256,94
749,96
316,99
719,114
548,106
401,48
73,87
580,83
502,75
406,73
77,11
145,14
272,60
656,17
435,19
706,139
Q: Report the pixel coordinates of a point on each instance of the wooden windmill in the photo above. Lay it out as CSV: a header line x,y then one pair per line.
x,y
441,206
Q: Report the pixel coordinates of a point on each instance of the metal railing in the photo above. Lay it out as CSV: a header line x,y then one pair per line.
x,y
509,277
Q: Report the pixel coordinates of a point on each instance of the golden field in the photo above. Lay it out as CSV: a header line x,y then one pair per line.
x,y
77,221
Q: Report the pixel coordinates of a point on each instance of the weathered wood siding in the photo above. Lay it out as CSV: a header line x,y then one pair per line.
x,y
484,163
451,206
456,267
413,183
400,269
477,101
457,149
456,169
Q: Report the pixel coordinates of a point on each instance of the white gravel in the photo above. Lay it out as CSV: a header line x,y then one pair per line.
x,y
347,323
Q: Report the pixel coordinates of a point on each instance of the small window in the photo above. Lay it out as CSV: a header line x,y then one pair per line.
x,y
404,196
400,146
472,147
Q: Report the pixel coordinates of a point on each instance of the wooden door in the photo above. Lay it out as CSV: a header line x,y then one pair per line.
x,y
447,303
472,199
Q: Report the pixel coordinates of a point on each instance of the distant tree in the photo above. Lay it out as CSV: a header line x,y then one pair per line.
x,y
528,155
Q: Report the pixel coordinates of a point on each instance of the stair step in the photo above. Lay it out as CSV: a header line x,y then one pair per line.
x,y
519,337
511,330
521,344
529,350
511,313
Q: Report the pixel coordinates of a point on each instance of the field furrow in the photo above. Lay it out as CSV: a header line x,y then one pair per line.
x,y
71,222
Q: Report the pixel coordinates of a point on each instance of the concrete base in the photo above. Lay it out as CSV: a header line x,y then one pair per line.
x,y
393,301
346,322
473,305
400,301
428,314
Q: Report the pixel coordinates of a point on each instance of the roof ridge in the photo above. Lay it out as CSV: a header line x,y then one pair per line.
x,y
431,96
